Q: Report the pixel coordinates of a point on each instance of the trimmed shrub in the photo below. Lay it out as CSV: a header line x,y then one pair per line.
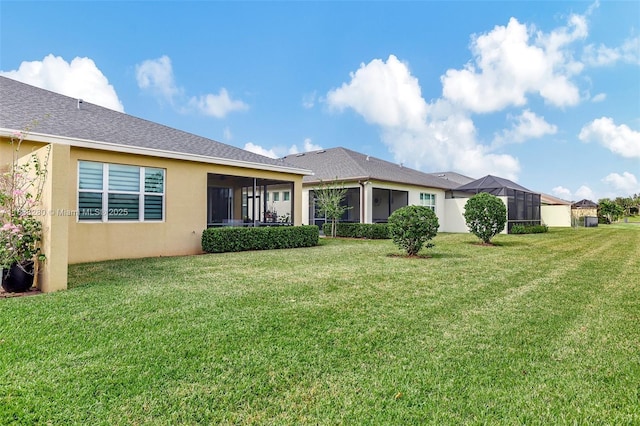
x,y
226,239
411,227
485,215
529,229
372,231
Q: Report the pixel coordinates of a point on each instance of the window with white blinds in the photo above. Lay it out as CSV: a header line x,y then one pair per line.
x,y
428,200
118,192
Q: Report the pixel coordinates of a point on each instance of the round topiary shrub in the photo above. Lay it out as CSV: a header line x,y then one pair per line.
x,y
486,216
411,227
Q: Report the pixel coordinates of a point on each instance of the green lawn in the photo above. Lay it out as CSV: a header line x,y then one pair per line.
x,y
539,329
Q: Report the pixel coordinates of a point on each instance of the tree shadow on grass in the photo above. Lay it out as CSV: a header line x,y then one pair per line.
x,y
510,243
428,256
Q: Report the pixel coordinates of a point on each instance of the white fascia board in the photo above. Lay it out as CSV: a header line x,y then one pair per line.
x,y
151,152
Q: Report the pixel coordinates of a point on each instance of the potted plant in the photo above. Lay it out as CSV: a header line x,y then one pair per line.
x,y
21,187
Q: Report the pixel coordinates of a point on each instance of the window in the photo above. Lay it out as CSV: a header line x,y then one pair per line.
x,y
428,200
285,196
276,196
118,192
266,195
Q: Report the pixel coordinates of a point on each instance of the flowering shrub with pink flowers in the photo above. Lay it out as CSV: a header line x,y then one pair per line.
x,y
21,184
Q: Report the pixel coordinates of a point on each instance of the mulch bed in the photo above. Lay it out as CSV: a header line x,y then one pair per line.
x,y
31,292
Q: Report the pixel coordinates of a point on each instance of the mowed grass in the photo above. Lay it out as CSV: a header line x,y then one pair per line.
x,y
539,329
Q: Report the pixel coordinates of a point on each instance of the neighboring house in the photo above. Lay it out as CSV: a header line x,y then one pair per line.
x,y
123,187
523,205
375,187
555,212
584,208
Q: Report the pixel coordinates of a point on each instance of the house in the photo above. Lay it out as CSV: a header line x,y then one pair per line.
x,y
584,208
375,187
523,205
123,187
585,212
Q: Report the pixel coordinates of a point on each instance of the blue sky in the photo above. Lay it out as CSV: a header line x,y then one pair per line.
x,y
544,93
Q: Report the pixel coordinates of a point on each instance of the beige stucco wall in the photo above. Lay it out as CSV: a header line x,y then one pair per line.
x,y
55,241
185,210
454,211
556,215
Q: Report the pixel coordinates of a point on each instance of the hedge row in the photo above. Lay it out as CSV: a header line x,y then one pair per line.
x,y
373,231
528,229
226,239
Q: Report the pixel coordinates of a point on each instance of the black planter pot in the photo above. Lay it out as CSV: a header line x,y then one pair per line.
x,y
18,278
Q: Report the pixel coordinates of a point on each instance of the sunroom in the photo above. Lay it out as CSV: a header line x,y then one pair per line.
x,y
248,201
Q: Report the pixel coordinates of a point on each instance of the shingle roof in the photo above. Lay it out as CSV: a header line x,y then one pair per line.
x,y
454,177
551,200
491,184
347,165
584,204
21,103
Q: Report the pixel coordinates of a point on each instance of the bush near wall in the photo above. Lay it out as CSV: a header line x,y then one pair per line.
x,y
227,239
372,231
529,229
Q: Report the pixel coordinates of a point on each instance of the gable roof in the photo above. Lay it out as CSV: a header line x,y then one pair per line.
x,y
584,204
492,184
553,201
88,125
454,177
347,165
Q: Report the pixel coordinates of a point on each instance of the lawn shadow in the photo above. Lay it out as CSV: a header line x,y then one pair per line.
x,y
427,256
510,243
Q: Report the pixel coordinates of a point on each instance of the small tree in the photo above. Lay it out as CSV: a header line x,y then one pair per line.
x,y
610,210
328,199
411,227
486,216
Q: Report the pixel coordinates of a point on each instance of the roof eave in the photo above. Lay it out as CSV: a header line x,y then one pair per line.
x,y
377,179
151,152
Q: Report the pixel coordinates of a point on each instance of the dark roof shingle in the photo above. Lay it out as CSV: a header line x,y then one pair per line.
x,y
345,164
21,103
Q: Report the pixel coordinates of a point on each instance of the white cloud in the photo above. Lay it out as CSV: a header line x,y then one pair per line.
x,y
562,192
156,75
627,52
281,151
218,105
309,100
625,184
619,139
525,126
306,147
434,136
257,149
226,133
384,93
80,78
513,61
582,193
585,193
599,97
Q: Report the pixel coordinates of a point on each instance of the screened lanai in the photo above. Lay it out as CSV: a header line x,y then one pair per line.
x,y
523,205
244,201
